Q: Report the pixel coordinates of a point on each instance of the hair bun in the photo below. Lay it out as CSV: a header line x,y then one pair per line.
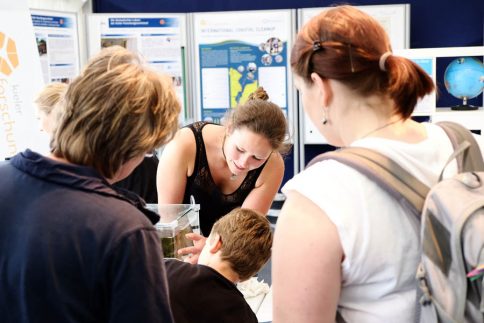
x,y
259,94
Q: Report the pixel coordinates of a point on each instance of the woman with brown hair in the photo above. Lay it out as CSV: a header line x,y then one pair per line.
x,y
237,164
342,244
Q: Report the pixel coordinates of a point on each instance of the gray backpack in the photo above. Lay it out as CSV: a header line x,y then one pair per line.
x,y
451,214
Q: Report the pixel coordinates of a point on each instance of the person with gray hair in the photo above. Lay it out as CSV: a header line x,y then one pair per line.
x,y
76,249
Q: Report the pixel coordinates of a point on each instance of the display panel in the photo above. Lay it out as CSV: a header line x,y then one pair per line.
x,y
235,52
454,70
56,35
457,72
159,38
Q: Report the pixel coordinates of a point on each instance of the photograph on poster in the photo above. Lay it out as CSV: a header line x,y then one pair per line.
x,y
41,46
273,46
177,80
126,42
460,80
266,59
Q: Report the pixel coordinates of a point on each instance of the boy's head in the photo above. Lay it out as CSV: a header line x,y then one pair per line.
x,y
243,238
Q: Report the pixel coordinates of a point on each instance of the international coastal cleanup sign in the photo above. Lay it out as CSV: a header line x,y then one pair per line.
x,y
159,38
20,79
236,52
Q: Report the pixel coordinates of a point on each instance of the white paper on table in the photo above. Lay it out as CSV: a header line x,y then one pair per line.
x,y
264,314
254,292
255,302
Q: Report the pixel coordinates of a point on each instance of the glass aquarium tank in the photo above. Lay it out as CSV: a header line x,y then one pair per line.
x,y
176,220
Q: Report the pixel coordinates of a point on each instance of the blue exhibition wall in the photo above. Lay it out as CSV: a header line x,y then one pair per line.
x,y
434,23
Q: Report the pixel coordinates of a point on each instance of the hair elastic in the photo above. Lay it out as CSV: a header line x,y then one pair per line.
x,y
317,45
383,59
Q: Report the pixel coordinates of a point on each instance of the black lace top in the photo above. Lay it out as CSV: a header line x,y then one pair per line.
x,y
213,203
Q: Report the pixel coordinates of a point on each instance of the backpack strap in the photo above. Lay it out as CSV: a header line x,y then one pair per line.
x,y
471,159
399,183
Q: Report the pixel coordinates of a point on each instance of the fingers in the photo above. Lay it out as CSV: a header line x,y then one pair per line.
x,y
194,236
190,254
191,259
198,240
188,250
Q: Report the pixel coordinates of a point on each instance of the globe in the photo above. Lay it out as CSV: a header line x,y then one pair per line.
x,y
464,79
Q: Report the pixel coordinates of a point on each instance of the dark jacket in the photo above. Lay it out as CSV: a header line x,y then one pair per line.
x,y
74,249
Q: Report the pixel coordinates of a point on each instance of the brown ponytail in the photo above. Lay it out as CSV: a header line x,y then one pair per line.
x,y
407,82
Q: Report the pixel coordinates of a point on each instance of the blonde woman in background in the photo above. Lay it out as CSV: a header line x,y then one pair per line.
x,y
47,101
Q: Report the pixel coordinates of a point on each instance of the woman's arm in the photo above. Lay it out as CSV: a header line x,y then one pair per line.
x,y
173,168
267,185
306,263
176,164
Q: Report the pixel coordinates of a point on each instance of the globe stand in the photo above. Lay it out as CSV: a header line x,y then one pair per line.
x,y
464,106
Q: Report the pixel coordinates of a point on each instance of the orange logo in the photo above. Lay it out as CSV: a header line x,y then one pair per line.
x,y
10,62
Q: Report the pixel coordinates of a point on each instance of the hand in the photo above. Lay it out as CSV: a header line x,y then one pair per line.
x,y
193,253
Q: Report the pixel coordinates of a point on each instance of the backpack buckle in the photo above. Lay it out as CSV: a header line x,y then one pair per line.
x,y
426,298
469,179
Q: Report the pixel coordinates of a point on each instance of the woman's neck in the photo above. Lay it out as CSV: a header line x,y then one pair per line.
x,y
364,117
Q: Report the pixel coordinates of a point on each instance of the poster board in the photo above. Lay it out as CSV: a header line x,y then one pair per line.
x,y
235,52
438,106
56,35
159,38
440,59
20,79
394,18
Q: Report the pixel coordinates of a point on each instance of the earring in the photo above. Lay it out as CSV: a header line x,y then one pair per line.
x,y
324,121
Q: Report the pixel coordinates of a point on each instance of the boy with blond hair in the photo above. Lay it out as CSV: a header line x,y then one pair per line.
x,y
236,249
